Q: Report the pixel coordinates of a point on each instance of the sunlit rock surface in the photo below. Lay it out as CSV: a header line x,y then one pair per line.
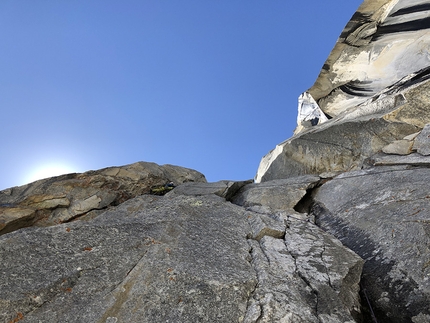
x,y
65,198
372,91
187,256
371,149
385,43
334,230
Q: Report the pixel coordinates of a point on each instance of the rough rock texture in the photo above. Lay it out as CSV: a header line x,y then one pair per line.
x,y
304,274
421,142
335,229
65,198
383,215
373,90
364,126
345,142
385,43
187,256
152,259
277,195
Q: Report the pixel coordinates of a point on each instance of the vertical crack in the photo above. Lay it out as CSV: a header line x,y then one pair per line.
x,y
254,309
325,266
306,281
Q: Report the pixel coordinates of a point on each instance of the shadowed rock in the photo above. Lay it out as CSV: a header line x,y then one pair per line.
x,y
382,215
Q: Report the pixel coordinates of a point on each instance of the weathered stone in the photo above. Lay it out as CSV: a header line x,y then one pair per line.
x,y
422,141
262,225
413,159
321,261
382,215
421,318
13,218
64,198
399,147
281,295
291,289
46,201
373,90
182,257
412,136
151,259
384,44
331,147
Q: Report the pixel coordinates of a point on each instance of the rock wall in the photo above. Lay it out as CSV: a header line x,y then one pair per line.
x,y
335,228
190,255
373,90
382,213
384,43
364,127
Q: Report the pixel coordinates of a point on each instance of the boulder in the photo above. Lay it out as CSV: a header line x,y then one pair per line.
x,y
68,197
399,147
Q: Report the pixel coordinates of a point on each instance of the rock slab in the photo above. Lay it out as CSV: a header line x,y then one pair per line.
x,y
383,215
187,256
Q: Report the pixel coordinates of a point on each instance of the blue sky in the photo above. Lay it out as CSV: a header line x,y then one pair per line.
x,y
208,85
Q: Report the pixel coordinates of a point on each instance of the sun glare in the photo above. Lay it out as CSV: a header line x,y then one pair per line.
x,y
48,170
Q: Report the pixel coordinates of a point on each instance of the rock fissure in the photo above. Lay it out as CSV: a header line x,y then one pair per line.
x,y
326,266
253,308
82,215
305,203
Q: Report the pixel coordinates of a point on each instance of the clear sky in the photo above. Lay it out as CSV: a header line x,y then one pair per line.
x,y
205,84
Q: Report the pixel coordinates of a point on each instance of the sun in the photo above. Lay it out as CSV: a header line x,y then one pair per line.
x,y
47,170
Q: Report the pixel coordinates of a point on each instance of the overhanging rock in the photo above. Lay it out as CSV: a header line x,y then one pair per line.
x,y
345,142
372,90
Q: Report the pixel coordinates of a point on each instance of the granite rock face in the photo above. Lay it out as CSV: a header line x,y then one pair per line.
x,y
152,259
187,256
345,142
383,215
384,46
372,91
364,128
335,228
